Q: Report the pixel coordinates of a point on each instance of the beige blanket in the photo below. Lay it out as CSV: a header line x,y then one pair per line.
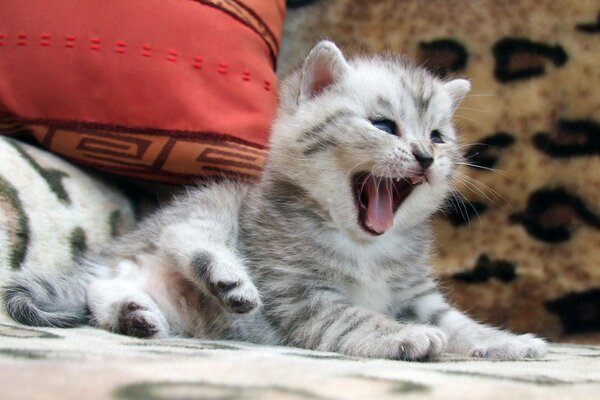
x,y
87,363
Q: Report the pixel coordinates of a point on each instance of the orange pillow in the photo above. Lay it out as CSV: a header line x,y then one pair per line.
x,y
164,90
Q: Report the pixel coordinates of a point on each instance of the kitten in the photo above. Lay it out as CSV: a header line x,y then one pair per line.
x,y
335,237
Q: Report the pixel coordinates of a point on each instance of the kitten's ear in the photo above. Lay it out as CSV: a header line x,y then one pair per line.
x,y
457,89
324,65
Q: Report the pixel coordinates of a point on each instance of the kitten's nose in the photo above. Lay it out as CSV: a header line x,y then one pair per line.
x,y
424,159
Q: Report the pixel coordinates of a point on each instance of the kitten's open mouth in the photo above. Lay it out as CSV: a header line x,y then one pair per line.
x,y
378,199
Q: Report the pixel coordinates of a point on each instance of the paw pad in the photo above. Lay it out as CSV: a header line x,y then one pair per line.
x,y
223,286
242,306
134,321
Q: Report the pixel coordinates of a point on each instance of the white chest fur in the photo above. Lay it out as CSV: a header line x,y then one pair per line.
x,y
374,294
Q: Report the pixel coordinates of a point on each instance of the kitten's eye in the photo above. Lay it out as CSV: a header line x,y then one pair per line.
x,y
385,125
436,136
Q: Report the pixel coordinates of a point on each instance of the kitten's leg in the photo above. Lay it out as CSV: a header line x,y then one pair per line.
x,y
203,256
120,305
466,336
321,322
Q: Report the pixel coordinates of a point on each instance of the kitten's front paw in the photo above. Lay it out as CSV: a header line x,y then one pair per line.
x,y
226,278
505,346
418,342
237,296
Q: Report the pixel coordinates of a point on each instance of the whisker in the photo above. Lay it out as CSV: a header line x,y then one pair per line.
x,y
463,199
352,169
499,171
474,144
458,205
473,109
462,116
471,184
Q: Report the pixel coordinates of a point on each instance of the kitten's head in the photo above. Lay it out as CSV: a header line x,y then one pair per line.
x,y
370,139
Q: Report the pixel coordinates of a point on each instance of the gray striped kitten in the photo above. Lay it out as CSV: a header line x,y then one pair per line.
x,y
328,252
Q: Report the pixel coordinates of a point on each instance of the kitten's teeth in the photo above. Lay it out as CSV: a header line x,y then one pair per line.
x,y
417,180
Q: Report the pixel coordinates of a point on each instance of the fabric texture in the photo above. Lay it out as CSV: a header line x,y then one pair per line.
x,y
51,211
523,250
86,363
164,90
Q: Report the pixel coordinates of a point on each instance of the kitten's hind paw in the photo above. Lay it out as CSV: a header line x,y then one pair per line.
x,y
504,346
139,321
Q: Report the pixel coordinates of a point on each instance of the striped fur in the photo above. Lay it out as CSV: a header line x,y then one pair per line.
x,y
286,261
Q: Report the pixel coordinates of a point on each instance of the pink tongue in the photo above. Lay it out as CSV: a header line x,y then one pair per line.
x,y
380,210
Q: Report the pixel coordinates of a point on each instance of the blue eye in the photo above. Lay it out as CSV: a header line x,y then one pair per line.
x,y
385,125
436,137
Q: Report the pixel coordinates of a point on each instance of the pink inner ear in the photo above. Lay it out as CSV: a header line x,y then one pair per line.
x,y
319,86
322,77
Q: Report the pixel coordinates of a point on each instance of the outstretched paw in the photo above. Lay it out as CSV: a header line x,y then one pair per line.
x,y
505,346
226,278
420,343
236,296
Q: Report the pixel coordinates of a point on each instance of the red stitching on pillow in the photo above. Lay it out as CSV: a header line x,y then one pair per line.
x,y
120,47
22,40
198,62
147,50
70,42
95,44
172,56
45,40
